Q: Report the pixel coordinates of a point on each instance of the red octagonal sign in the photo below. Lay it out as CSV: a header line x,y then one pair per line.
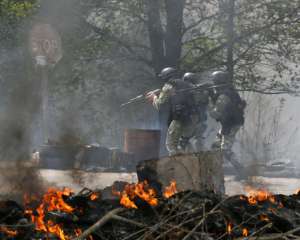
x,y
45,41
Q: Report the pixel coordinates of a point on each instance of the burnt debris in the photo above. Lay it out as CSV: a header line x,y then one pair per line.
x,y
63,215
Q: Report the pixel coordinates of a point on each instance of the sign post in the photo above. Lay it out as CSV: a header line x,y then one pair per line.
x,y
45,47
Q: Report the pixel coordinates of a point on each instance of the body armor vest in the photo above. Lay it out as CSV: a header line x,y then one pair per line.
x,y
182,103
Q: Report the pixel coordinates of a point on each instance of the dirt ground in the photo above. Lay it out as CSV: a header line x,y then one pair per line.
x,y
78,180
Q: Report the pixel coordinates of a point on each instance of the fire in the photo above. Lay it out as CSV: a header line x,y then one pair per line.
x,y
8,232
258,196
245,232
126,202
94,196
141,190
264,217
255,196
51,201
229,228
170,190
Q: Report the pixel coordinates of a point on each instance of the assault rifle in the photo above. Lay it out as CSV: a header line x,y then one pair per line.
x,y
197,87
241,171
140,97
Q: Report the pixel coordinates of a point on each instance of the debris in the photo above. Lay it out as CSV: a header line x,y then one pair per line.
x,y
64,215
99,223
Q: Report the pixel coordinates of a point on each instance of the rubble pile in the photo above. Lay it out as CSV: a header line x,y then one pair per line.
x,y
136,212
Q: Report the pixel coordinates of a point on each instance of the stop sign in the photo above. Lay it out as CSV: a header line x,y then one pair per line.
x,y
45,41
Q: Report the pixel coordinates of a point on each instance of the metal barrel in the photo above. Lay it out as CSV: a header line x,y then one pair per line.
x,y
144,144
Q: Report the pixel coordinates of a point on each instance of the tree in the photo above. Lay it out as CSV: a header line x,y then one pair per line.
x,y
202,35
162,21
265,41
248,39
114,48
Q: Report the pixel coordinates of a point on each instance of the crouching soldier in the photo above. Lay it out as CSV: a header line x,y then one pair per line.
x,y
228,110
182,125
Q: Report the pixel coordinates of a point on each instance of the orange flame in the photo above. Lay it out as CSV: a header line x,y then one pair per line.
x,y
255,196
94,196
245,232
126,202
264,217
229,228
141,190
51,201
170,190
8,232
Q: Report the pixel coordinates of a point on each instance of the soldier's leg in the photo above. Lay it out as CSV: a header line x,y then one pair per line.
x,y
192,133
173,137
198,139
216,146
227,142
188,132
228,139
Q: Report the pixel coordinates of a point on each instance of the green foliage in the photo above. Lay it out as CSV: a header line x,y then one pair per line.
x,y
195,58
12,14
13,10
267,48
265,37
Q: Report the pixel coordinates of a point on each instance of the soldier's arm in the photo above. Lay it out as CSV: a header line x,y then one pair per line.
x,y
164,96
221,107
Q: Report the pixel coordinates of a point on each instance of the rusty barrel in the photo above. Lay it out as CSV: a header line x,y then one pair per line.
x,y
144,144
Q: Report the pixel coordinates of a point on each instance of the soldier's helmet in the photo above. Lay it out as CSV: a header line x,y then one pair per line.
x,y
190,77
167,73
220,77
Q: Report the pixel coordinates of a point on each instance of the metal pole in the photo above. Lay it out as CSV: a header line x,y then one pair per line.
x,y
42,64
45,103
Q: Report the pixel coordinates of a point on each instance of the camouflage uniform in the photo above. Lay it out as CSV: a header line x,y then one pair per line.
x,y
202,100
185,118
229,111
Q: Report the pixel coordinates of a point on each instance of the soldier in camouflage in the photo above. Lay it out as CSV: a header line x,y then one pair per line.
x,y
183,113
201,99
228,110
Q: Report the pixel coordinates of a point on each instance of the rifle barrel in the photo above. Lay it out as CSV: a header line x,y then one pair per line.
x,y
139,97
156,91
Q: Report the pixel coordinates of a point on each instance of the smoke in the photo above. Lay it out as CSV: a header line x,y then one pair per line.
x,y
15,137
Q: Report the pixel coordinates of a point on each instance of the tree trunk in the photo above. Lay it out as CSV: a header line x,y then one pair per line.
x,y
165,47
230,10
173,40
156,35
200,172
